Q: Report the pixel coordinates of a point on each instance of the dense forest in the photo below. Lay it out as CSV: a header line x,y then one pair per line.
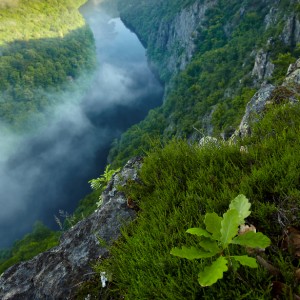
x,y
39,19
50,48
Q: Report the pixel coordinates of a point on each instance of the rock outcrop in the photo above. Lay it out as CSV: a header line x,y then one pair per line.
x,y
263,68
272,17
176,37
292,79
56,274
291,32
254,109
289,91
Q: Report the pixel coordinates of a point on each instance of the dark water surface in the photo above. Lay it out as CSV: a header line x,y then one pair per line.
x,y
46,172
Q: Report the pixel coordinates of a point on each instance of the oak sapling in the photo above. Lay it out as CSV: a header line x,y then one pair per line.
x,y
220,232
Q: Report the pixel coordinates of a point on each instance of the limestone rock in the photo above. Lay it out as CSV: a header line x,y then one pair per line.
x,y
271,18
208,140
254,108
207,121
289,91
55,274
293,75
176,37
291,32
263,68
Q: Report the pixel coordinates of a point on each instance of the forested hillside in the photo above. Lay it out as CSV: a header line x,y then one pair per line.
x,y
51,46
237,46
39,19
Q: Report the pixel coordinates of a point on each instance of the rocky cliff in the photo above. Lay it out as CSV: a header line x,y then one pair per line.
x,y
57,273
176,38
172,40
269,94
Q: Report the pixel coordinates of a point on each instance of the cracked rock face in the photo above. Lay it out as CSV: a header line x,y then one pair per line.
x,y
176,37
293,75
56,273
254,108
263,68
291,32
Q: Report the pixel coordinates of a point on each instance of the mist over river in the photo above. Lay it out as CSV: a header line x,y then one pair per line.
x,y
48,170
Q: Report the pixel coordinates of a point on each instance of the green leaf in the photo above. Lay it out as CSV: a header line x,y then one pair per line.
x,y
199,232
246,261
229,226
214,272
209,245
242,205
253,240
213,225
190,253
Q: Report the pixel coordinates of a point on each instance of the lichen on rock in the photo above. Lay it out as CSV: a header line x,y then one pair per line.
x,y
263,67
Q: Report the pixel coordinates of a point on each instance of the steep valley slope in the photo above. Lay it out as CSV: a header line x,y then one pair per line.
x,y
230,71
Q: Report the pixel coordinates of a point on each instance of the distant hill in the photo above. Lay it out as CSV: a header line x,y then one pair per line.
x,y
44,46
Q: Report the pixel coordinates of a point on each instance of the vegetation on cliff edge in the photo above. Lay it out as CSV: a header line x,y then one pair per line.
x,y
181,183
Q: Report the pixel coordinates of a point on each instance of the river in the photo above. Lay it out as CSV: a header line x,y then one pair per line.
x,y
49,172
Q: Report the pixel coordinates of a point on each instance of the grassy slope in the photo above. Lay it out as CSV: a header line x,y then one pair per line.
x,y
181,183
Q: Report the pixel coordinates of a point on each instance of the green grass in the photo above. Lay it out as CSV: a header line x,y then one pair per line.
x,y
181,183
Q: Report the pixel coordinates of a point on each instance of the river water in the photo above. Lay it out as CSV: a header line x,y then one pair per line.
x,y
50,170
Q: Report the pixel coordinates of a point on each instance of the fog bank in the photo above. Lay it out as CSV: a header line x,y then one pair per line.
x,y
47,171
